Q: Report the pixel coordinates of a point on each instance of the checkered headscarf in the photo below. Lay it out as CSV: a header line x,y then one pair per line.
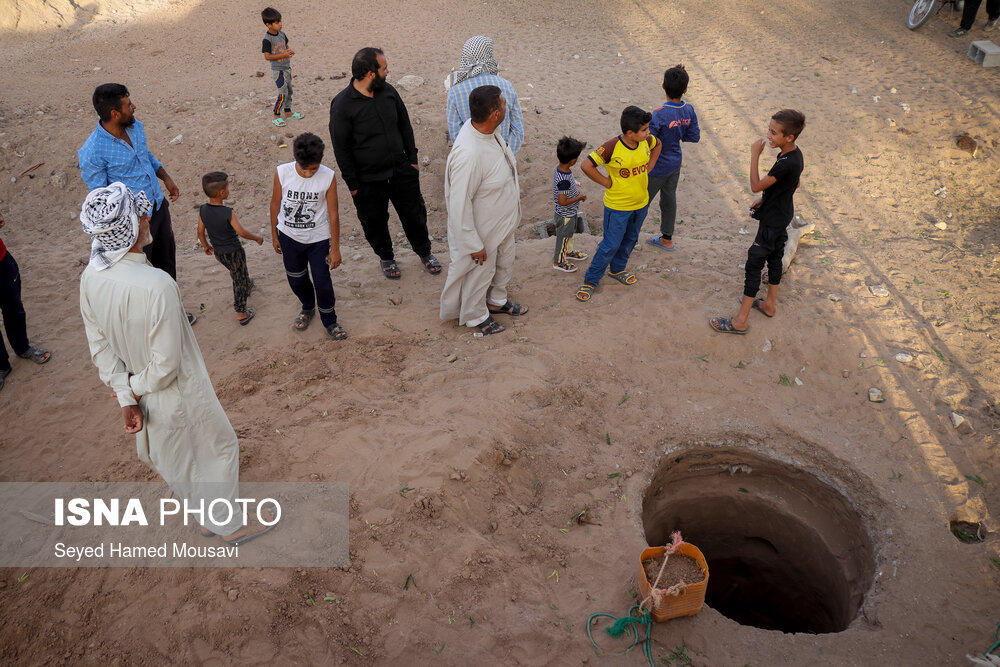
x,y
477,57
111,216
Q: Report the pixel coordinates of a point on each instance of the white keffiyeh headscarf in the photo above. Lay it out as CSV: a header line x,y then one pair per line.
x,y
111,216
477,57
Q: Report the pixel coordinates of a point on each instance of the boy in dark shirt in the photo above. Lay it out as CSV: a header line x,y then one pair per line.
x,y
224,231
773,210
276,52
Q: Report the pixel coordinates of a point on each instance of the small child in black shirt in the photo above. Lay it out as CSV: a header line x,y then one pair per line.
x,y
224,230
774,211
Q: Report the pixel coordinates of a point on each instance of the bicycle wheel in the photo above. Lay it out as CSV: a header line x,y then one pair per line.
x,y
920,13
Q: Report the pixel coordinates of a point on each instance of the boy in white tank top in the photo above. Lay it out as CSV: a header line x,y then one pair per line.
x,y
305,231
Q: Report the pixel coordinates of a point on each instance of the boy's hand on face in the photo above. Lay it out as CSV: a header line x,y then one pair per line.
x,y
757,147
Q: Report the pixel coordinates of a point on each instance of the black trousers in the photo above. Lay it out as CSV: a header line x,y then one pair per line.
x,y
372,204
972,8
768,248
236,263
14,319
162,252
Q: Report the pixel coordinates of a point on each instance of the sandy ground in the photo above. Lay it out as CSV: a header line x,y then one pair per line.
x,y
504,445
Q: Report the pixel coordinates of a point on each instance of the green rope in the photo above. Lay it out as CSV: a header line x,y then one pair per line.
x,y
629,624
996,645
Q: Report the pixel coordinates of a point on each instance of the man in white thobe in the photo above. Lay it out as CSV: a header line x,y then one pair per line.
x,y
142,344
484,206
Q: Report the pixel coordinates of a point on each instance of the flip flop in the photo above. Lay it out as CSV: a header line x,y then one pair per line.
x,y
390,269
246,538
756,306
432,265
584,292
490,326
279,122
656,241
302,321
249,312
725,325
36,354
297,116
337,332
625,277
511,308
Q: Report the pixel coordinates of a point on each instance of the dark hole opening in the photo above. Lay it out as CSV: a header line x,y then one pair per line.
x,y
785,551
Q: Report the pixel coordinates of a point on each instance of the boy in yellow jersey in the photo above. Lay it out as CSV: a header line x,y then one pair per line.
x,y
626,158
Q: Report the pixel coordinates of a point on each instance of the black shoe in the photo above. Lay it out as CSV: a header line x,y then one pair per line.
x,y
192,318
958,32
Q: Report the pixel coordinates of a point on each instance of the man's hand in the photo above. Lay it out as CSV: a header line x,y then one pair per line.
x,y
209,250
354,192
172,190
334,259
277,246
754,206
132,415
259,240
416,166
479,257
757,147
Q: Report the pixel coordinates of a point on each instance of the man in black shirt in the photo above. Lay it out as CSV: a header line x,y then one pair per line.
x,y
774,211
375,150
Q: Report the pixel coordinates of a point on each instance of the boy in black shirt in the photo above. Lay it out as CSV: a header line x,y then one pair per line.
x,y
224,231
774,210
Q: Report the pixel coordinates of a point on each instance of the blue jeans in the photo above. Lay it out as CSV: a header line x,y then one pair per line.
x,y
621,231
299,259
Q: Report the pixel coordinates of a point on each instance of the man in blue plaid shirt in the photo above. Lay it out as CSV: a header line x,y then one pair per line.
x,y
479,68
116,151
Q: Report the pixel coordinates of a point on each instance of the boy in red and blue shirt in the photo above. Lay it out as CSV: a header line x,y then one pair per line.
x,y
672,123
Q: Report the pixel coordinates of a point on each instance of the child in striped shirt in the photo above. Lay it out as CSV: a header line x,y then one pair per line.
x,y
567,198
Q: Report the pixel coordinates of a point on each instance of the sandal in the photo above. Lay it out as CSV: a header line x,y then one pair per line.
x,y
725,325
565,266
337,332
297,116
279,122
625,277
390,269
302,321
658,242
490,326
36,354
432,265
249,312
576,255
510,308
585,292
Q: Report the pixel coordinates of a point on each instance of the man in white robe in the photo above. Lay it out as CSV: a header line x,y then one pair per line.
x,y
482,195
142,344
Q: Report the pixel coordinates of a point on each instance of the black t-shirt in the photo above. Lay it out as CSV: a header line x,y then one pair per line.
x,y
776,209
220,232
